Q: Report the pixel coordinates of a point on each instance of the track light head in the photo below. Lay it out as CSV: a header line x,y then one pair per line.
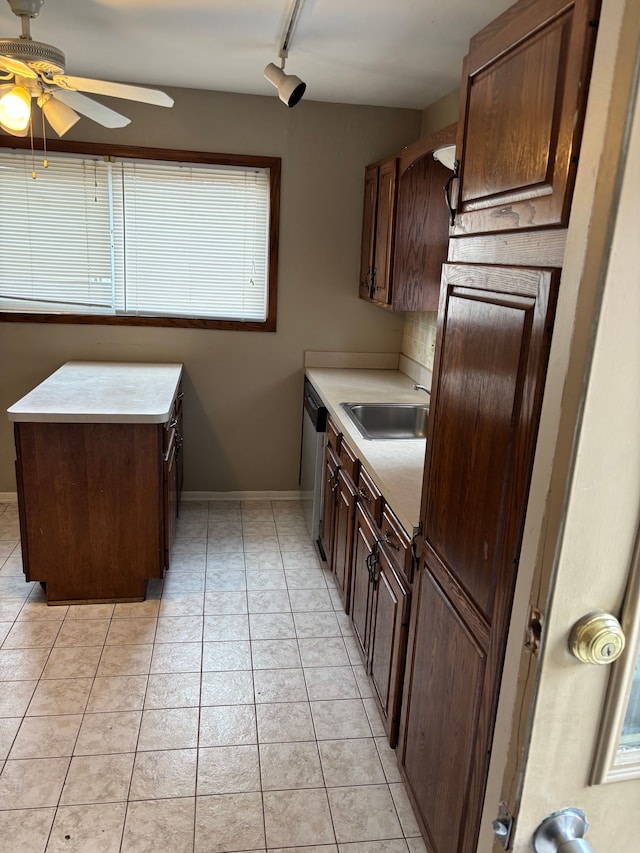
x,y
290,88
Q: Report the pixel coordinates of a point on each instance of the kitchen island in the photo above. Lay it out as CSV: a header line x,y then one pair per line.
x,y
99,470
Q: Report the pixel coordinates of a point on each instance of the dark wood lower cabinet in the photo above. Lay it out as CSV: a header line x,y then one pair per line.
x,y
92,508
345,516
330,486
98,504
379,615
369,555
365,539
494,331
388,641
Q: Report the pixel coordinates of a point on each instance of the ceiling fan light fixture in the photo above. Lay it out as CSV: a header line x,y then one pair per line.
x,y
60,116
15,110
290,88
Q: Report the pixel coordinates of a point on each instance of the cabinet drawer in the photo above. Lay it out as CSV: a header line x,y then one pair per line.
x,y
334,436
397,543
349,462
369,496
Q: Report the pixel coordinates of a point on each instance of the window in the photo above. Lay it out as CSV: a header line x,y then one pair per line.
x,y
174,239
618,748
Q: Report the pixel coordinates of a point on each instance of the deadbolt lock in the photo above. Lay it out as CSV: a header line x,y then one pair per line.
x,y
597,638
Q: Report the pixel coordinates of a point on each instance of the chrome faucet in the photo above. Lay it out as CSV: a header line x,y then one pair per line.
x,y
422,388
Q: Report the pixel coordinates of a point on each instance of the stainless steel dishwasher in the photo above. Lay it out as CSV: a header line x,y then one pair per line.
x,y
314,427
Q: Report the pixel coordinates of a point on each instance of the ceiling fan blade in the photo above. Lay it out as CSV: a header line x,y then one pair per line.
x,y
91,109
15,66
114,90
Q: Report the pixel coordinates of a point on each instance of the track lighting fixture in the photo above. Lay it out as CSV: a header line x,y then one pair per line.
x,y
290,88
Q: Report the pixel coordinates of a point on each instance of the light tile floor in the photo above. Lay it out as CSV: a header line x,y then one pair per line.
x,y
229,711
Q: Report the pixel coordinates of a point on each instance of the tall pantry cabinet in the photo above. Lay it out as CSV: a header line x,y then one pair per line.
x,y
521,114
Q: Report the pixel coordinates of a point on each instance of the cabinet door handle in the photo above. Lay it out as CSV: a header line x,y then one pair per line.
x,y
387,539
372,564
181,395
364,496
173,424
447,192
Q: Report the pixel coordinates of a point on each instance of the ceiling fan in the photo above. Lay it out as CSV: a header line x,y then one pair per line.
x,y
31,69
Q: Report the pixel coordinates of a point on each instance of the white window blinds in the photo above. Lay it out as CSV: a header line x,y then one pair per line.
x,y
134,237
55,242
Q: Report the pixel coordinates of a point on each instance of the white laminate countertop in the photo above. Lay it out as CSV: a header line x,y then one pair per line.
x,y
101,392
395,465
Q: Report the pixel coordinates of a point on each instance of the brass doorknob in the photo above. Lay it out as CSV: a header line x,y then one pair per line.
x,y
597,638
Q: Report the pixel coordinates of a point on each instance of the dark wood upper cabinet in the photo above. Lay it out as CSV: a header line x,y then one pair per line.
x,y
494,332
385,231
523,99
405,227
378,231
368,231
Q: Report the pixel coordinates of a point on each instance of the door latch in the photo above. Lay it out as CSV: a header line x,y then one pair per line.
x,y
503,826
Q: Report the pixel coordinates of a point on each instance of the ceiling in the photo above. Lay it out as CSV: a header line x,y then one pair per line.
x,y
397,53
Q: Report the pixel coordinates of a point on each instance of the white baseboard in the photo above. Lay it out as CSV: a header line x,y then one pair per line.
x,y
241,496
8,497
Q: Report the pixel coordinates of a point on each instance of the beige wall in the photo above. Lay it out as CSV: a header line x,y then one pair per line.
x,y
243,390
441,113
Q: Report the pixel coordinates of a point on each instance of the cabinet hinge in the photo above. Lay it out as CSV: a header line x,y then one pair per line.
x,y
595,22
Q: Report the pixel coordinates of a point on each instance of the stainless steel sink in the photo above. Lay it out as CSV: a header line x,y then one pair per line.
x,y
389,420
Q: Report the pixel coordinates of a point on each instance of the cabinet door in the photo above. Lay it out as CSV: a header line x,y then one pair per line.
x,y
421,236
388,642
494,331
171,497
368,231
364,546
385,217
342,548
179,449
524,91
330,487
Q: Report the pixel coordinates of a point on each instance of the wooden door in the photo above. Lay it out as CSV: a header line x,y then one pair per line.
x,y
494,329
342,548
385,217
523,99
368,231
364,546
388,642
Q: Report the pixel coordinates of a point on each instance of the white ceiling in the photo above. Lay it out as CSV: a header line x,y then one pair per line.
x,y
400,53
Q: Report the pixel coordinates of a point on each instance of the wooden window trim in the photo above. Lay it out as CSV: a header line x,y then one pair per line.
x,y
169,154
